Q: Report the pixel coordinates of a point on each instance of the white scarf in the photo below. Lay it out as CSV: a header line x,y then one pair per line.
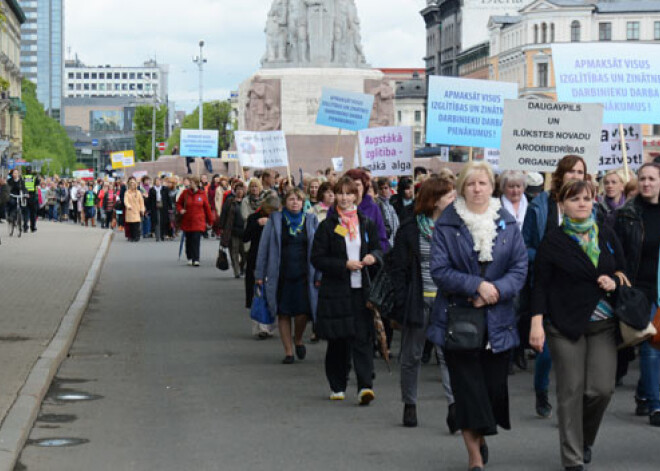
x,y
522,209
158,195
482,227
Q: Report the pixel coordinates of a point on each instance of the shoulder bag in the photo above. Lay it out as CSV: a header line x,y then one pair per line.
x,y
632,310
466,325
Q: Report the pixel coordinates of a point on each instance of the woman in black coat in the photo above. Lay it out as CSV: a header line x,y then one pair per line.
x,y
346,244
574,290
415,290
253,230
159,205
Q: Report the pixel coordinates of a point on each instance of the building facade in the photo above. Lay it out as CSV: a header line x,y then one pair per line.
x,y
409,104
12,108
42,51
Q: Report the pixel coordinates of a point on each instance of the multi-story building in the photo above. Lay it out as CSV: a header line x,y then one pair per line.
x,y
520,45
12,109
42,50
409,107
148,80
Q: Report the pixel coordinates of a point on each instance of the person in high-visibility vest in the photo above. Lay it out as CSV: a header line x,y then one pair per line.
x,y
89,205
32,182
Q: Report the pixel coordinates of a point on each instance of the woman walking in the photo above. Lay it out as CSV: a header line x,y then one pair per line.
x,y
326,201
232,225
252,236
346,244
197,216
134,210
478,260
284,268
638,227
416,291
574,281
159,204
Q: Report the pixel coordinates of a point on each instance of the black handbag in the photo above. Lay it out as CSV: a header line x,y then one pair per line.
x,y
381,293
222,262
466,326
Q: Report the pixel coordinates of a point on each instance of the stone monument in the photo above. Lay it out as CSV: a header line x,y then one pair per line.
x,y
311,44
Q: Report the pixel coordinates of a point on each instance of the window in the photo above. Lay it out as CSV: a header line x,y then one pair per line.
x,y
418,116
656,128
154,75
124,86
544,33
656,30
86,75
86,86
418,138
70,75
70,87
552,32
139,86
398,116
536,34
632,31
93,86
542,75
124,76
604,31
131,86
117,86
131,76
78,86
93,75
139,75
575,31
117,75
102,75
102,87
147,75
78,75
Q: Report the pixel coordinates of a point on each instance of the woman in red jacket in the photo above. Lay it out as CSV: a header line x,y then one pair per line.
x,y
194,206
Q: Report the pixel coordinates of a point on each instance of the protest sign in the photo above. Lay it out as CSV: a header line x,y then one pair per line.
x,y
140,174
262,149
345,110
492,156
537,134
387,151
625,78
229,156
122,159
338,164
611,151
199,143
466,112
86,174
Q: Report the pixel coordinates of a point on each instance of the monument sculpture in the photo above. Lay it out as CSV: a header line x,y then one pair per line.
x,y
262,110
313,33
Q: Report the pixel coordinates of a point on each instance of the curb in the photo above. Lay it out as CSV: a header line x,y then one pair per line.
x,y
20,418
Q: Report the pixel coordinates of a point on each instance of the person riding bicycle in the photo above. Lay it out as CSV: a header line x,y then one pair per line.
x,y
16,187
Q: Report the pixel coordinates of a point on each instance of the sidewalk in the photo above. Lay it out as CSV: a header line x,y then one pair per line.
x,y
40,275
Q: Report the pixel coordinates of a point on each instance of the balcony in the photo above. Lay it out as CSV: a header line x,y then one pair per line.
x,y
17,106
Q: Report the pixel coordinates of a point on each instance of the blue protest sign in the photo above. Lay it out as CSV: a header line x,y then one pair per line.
x,y
466,112
11,165
345,110
199,143
95,142
624,77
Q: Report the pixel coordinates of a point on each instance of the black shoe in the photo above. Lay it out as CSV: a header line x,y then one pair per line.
x,y
410,415
654,418
426,353
477,468
520,360
288,360
483,449
642,408
451,419
543,407
301,352
262,335
586,455
574,468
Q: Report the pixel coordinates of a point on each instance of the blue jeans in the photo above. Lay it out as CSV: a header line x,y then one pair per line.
x,y
52,213
542,368
146,226
649,369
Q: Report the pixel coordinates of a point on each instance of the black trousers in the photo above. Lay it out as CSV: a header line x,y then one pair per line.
x,y
193,241
33,208
133,231
360,348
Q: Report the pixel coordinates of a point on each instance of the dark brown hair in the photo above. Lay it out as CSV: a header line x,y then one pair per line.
x,y
348,184
430,192
357,174
649,165
574,188
325,186
565,165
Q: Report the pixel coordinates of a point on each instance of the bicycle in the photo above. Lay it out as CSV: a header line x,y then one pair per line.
x,y
16,216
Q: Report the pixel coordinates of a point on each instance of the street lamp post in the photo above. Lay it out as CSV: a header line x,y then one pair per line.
x,y
200,61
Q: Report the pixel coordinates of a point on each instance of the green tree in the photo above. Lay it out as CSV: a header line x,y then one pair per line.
x,y
217,115
143,129
44,137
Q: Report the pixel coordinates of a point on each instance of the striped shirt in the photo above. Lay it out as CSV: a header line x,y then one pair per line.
x,y
428,284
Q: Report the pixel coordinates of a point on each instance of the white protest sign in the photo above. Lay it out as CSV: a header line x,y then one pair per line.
x,y
262,149
537,134
611,154
492,156
387,151
140,174
338,164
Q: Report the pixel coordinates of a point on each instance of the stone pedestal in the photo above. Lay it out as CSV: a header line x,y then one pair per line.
x,y
298,91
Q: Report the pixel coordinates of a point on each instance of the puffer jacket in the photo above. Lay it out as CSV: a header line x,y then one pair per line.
x,y
455,268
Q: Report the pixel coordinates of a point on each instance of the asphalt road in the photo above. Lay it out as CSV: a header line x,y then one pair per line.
x,y
178,383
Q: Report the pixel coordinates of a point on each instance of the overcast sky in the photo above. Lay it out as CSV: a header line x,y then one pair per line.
x,y
128,32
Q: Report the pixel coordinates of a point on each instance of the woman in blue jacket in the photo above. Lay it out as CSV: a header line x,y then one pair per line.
x,y
284,268
478,259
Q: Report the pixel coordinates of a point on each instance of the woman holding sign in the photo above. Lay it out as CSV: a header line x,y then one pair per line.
x,y
543,215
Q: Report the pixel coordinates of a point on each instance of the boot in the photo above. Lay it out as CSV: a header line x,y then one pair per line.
x,y
410,415
543,407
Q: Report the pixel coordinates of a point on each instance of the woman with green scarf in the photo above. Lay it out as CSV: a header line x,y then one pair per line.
x,y
572,302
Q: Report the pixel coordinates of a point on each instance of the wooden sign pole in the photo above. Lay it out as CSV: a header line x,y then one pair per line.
x,y
470,154
624,152
338,142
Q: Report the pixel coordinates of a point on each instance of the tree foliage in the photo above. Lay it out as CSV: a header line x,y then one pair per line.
x,y
217,114
143,130
44,137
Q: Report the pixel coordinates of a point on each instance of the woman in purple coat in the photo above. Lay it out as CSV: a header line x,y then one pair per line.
x,y
478,259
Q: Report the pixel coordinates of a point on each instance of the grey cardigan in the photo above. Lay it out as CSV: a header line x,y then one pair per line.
x,y
268,260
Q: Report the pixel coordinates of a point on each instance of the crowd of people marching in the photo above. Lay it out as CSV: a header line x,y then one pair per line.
x,y
483,269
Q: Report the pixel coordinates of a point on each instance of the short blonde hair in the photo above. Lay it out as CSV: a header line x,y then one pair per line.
x,y
255,182
471,168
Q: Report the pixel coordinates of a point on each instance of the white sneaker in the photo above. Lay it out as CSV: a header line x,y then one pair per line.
x,y
337,396
365,396
195,264
190,263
